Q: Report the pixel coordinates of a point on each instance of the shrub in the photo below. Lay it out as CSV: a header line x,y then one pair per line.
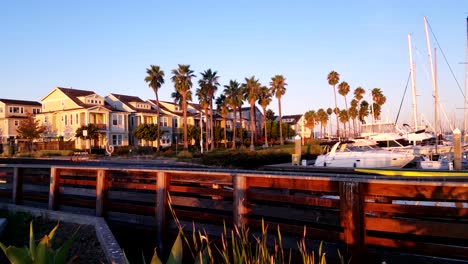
x,y
184,155
121,150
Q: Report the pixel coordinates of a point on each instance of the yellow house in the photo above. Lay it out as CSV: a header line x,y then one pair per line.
x,y
11,114
64,110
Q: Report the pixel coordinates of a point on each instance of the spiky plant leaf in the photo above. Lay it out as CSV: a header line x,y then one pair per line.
x,y
16,255
62,252
42,250
32,244
155,259
177,251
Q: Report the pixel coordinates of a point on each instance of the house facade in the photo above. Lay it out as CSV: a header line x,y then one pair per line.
x,y
12,112
64,110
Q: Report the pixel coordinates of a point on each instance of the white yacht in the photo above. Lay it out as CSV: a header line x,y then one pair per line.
x,y
360,154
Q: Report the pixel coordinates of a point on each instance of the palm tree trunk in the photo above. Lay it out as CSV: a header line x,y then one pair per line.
x,y
158,122
265,126
211,121
280,122
241,127
225,133
184,108
234,129
252,126
207,129
336,115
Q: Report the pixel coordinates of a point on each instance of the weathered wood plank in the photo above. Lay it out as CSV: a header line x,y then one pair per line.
x,y
417,210
325,185
17,189
77,182
291,214
201,191
161,208
293,199
53,187
240,201
101,192
134,186
418,227
431,249
420,192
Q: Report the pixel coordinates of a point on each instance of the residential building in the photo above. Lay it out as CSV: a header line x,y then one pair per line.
x,y
64,110
142,112
12,112
298,124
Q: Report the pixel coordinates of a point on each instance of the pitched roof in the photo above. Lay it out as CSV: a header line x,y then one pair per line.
x,y
73,94
295,118
20,102
127,99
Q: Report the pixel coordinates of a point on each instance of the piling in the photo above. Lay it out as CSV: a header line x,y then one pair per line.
x,y
457,153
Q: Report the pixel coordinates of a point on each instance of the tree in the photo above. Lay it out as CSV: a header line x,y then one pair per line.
x,y
148,132
310,117
209,82
278,87
233,93
322,117
264,99
91,129
252,91
333,79
204,101
329,113
358,95
223,109
30,129
378,100
363,111
353,113
344,118
343,90
182,79
155,79
270,115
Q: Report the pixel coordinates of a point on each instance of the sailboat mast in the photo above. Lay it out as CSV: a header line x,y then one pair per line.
x,y
434,88
413,83
465,105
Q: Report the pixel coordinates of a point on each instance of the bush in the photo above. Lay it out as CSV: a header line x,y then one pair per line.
x,y
121,150
184,155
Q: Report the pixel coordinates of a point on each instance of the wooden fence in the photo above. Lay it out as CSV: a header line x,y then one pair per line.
x,y
362,214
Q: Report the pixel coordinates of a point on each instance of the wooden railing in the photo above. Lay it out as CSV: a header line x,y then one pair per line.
x,y
362,214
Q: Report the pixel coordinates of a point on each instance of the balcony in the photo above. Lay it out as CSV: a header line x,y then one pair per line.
x,y
101,126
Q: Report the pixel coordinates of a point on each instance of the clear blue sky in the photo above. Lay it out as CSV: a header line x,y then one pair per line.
x,y
105,46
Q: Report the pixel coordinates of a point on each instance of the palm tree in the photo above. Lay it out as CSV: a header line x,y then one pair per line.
x,y
329,113
178,97
233,98
358,95
343,90
155,80
252,90
378,100
223,109
353,113
278,88
363,111
310,118
343,114
264,99
204,103
333,79
182,79
322,117
209,81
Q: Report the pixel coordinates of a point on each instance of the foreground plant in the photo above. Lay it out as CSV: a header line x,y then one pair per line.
x,y
41,252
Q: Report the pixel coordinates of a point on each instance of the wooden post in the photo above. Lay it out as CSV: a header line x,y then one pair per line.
x,y
162,187
101,191
352,220
240,209
53,187
457,152
17,194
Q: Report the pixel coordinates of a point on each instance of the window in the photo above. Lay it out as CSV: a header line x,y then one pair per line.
x,y
1,110
164,122
46,118
174,122
71,119
36,110
76,119
66,120
16,123
16,109
117,140
117,120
